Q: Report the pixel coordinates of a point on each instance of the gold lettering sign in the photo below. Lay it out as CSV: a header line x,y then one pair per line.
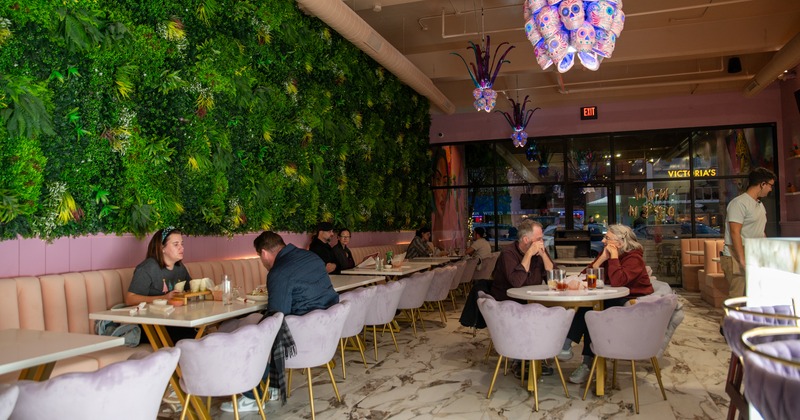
x,y
684,173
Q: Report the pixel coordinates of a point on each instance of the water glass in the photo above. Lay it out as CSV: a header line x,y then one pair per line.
x,y
601,277
555,279
227,290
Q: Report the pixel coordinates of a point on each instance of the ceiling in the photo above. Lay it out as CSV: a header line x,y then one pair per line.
x,y
668,48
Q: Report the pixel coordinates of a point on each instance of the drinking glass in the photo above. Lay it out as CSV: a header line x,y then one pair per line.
x,y
227,290
555,279
601,277
591,278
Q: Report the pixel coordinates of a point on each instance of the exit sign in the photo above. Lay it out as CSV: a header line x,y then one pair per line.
x,y
589,112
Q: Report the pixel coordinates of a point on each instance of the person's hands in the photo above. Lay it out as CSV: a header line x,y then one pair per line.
x,y
612,250
170,295
536,248
329,267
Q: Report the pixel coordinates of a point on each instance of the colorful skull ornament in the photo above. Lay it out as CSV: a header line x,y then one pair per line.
x,y
571,14
553,2
583,38
540,52
532,32
601,14
548,21
557,45
533,6
618,22
606,41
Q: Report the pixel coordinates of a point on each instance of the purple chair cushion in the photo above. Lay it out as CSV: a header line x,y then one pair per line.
x,y
737,323
8,398
526,332
415,289
461,267
383,307
126,390
361,301
316,335
222,364
440,287
633,332
770,386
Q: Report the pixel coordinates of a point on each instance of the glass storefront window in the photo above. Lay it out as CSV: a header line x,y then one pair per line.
x,y
734,151
651,155
542,160
589,159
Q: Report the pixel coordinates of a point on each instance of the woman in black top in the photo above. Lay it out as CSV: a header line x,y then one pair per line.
x,y
342,252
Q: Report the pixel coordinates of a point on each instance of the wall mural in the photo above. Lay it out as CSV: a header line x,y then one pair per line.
x,y
450,218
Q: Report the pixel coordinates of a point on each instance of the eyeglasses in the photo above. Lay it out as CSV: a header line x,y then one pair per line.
x,y
344,237
609,238
771,184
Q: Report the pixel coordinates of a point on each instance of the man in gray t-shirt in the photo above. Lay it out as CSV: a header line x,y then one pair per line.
x,y
746,218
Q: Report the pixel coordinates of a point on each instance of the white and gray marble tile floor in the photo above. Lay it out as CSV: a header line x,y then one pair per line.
x,y
442,375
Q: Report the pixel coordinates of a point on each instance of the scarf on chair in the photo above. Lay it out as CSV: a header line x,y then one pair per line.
x,y
282,348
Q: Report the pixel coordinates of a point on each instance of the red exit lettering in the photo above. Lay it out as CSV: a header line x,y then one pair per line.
x,y
589,113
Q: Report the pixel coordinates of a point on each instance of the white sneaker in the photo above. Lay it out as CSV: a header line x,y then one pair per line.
x,y
245,405
565,354
580,375
274,394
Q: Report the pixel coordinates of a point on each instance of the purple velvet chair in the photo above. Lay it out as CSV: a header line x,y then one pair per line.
x,y
125,390
461,268
772,371
8,398
361,299
484,270
740,318
382,311
440,287
316,335
469,272
632,333
413,297
526,332
227,364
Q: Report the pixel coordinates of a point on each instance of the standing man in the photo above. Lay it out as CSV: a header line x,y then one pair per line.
x,y
297,283
320,245
480,246
746,218
523,263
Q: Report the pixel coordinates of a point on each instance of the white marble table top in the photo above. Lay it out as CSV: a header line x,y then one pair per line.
x,y
192,315
21,349
404,270
542,294
573,261
432,260
342,282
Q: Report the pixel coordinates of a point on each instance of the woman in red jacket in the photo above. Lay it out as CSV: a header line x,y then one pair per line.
x,y
624,265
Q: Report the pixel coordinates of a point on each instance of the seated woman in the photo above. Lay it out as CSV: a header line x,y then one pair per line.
x,y
156,276
623,261
342,252
420,246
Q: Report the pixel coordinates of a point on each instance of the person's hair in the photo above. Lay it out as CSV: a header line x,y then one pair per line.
x,y
423,230
155,249
268,240
759,175
626,237
344,229
525,227
480,231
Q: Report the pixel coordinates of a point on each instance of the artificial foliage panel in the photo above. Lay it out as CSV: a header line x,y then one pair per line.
x,y
216,116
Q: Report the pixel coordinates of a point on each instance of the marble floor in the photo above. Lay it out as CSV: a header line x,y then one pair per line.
x,y
442,374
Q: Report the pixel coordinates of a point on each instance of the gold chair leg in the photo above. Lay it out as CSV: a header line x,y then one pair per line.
x,y
657,368
413,321
494,377
311,394
635,387
442,314
361,350
614,384
453,299
397,349
333,382
235,406
289,385
186,406
522,373
375,341
532,374
260,402
488,351
421,320
341,347
561,375
505,368
591,374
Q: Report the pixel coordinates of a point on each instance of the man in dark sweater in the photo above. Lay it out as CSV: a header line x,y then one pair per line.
x,y
320,246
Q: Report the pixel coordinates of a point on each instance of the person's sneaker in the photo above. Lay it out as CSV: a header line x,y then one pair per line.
x,y
547,370
171,400
565,354
580,375
274,394
245,405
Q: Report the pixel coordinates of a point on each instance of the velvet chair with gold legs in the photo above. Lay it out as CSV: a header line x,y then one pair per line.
x,y
632,333
772,371
413,297
362,300
529,332
382,310
316,335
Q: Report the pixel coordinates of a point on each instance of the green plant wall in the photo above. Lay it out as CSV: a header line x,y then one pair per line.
x,y
218,116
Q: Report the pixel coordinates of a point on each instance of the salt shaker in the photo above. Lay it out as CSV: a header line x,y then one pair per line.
x,y
227,290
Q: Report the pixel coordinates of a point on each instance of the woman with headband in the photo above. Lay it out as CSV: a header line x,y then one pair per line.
x,y
156,276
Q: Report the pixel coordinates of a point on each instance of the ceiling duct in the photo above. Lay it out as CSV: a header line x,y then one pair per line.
x,y
785,59
348,24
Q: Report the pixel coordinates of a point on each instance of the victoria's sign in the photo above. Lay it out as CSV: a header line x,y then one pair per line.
x,y
684,173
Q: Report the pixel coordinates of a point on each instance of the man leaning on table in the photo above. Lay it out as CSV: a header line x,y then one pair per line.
x,y
297,283
321,246
523,263
480,246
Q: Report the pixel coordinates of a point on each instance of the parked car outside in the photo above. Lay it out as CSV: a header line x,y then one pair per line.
x,y
596,232
676,231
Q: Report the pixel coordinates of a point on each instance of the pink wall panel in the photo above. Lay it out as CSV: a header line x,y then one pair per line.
x,y
9,258
56,256
35,257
